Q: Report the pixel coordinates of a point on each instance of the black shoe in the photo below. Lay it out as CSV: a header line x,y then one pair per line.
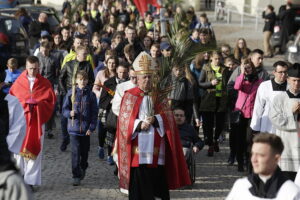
x,y
63,147
76,181
230,160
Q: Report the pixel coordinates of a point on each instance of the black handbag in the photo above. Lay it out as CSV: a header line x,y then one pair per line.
x,y
236,116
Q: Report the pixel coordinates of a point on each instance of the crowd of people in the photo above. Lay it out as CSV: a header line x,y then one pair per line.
x,y
98,72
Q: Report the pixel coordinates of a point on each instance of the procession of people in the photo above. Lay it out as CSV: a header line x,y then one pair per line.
x,y
153,97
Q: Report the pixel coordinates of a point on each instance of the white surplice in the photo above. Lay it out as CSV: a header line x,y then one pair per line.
x,y
146,138
240,191
120,90
264,97
287,128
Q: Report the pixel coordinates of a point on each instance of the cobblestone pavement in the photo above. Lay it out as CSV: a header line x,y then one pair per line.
x,y
213,177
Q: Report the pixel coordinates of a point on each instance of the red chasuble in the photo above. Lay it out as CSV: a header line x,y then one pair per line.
x,y
44,98
175,164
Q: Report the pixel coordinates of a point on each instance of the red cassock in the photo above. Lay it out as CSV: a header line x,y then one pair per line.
x,y
175,164
44,99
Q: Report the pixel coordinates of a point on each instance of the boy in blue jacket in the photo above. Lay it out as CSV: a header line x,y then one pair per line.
x,y
82,120
12,73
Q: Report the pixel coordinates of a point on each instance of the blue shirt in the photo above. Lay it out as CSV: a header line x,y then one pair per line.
x,y
10,78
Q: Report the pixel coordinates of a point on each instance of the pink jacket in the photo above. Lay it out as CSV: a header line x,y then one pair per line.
x,y
244,89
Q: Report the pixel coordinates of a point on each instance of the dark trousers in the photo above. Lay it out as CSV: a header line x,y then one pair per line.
x,y
232,144
242,141
80,151
50,124
64,124
211,120
101,133
148,183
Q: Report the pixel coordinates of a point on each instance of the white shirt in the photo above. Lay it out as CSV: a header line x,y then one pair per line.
x,y
31,82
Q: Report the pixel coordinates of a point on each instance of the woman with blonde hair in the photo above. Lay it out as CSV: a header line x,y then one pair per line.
x,y
241,49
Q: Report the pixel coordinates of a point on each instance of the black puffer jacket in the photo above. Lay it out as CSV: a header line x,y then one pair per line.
x,y
66,75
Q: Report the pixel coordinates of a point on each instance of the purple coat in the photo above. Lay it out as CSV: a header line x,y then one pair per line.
x,y
244,89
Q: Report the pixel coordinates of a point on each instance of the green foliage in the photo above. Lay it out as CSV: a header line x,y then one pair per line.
x,y
183,52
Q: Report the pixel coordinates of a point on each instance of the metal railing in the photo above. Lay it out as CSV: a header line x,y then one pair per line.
x,y
220,6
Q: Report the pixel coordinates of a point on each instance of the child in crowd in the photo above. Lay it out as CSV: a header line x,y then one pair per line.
x,y
12,73
231,64
82,120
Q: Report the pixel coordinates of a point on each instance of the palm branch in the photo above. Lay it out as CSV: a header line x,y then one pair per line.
x,y
183,52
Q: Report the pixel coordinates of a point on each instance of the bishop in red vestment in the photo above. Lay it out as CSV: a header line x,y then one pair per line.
x,y
150,156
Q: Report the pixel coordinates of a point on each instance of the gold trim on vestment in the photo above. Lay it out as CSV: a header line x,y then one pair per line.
x,y
144,72
135,150
28,155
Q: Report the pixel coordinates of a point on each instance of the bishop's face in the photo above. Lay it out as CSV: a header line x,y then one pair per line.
x,y
144,82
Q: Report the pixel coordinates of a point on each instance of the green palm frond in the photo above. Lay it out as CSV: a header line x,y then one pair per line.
x,y
183,52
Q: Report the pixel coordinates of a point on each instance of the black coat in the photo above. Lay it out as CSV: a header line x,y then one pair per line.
x,y
287,20
66,75
270,20
189,136
35,29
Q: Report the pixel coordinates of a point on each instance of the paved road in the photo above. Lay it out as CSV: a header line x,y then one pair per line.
x,y
214,177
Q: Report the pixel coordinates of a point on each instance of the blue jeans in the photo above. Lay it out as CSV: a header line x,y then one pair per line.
x,y
80,151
